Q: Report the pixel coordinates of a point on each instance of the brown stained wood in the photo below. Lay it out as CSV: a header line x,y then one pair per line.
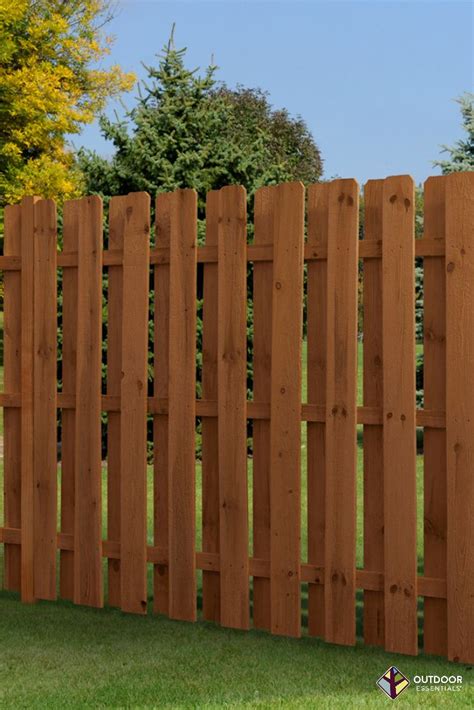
x,y
262,360
285,423
68,416
182,406
88,501
27,397
341,412
399,458
117,218
232,395
210,452
316,386
160,422
12,383
133,390
374,622
434,442
44,407
460,413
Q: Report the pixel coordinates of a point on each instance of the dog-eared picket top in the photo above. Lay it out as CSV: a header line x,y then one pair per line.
x,y
328,241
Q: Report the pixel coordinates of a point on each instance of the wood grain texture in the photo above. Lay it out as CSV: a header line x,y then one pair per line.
x,y
374,620
262,361
117,217
210,450
160,421
318,200
133,390
44,407
434,442
285,423
232,396
182,407
12,384
341,412
460,413
68,416
400,563
27,397
88,588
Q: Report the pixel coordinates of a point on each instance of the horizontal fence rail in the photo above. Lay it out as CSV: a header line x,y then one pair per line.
x,y
133,307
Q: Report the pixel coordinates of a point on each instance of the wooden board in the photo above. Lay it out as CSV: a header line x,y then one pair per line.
x,y
160,421
262,359
12,385
117,216
88,500
210,453
182,407
460,413
374,621
318,198
232,397
71,214
434,443
27,393
44,408
285,423
133,391
399,443
341,412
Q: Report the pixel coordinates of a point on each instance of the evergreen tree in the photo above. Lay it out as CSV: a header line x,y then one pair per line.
x,y
186,130
462,152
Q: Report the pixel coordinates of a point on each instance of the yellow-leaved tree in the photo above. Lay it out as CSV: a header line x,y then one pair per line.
x,y
50,86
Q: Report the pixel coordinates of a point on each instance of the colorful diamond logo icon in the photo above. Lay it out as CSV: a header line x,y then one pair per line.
x,y
393,682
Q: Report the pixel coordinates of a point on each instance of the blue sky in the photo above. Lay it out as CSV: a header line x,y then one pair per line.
x,y
374,80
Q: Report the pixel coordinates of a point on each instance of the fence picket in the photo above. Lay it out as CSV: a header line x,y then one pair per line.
x,y
117,215
133,392
210,452
399,443
160,421
232,379
434,442
182,406
374,621
460,413
12,384
44,407
285,423
316,374
88,509
341,412
262,357
71,217
27,397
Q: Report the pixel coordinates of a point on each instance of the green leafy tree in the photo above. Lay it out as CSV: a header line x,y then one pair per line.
x,y
462,152
187,130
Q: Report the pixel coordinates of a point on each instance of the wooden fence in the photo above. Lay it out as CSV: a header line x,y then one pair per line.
x,y
326,238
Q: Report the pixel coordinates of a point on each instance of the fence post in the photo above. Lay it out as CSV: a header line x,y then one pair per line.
x,y
133,398
460,413
232,405
12,383
399,442
285,423
88,588
44,400
341,412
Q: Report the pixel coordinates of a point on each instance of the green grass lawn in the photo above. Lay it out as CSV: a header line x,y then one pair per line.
x,y
56,655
